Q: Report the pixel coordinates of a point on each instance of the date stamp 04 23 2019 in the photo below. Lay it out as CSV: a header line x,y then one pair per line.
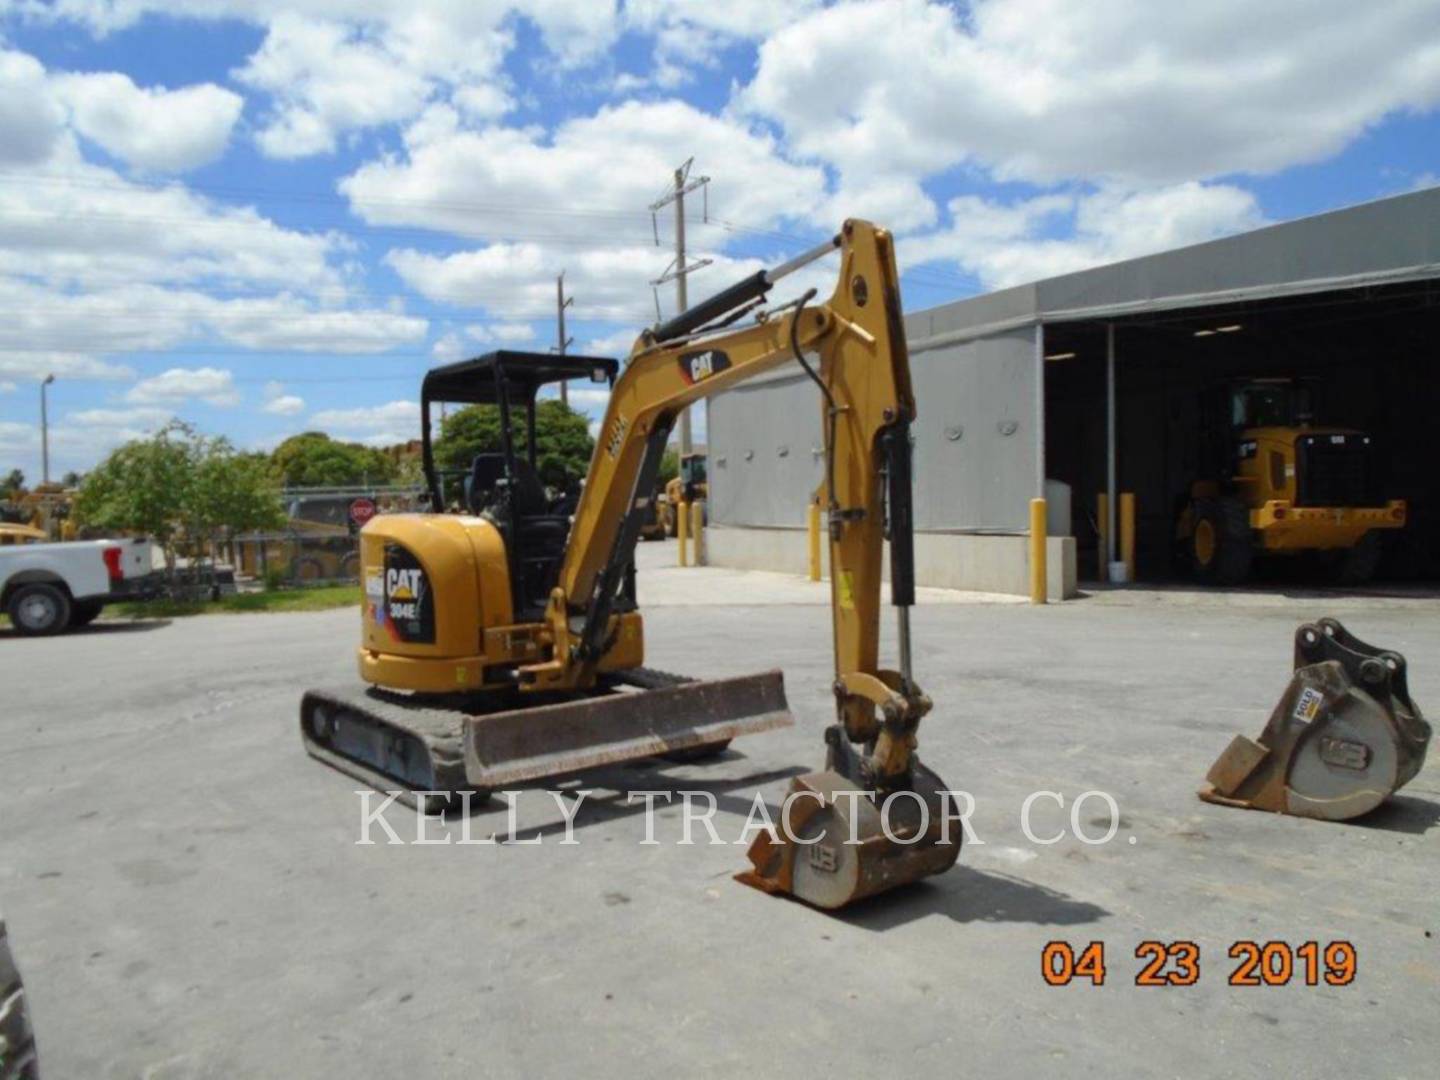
x,y
1177,963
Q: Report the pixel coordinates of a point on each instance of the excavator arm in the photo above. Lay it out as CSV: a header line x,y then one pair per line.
x,y
852,346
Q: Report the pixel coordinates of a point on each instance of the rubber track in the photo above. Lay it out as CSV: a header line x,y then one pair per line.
x,y
17,1039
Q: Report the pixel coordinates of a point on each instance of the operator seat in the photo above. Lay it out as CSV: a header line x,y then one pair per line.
x,y
486,472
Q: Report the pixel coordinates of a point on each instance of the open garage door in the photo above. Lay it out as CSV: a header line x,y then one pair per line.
x,y
1368,353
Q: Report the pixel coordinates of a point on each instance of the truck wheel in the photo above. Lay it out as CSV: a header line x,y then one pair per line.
x,y
17,1039
39,609
84,612
1358,565
350,566
1220,547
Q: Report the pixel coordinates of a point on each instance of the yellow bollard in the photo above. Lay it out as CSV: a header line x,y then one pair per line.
x,y
1127,533
1102,520
697,530
1038,583
682,528
813,520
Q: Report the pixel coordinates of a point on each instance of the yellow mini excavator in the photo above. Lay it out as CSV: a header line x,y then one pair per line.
x,y
503,644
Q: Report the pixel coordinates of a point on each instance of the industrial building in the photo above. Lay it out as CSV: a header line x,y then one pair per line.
x,y
1092,381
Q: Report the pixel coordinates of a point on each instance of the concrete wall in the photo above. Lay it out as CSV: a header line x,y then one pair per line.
x,y
976,441
980,563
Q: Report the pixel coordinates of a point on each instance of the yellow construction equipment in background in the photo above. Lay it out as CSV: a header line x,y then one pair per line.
x,y
1344,737
1276,483
504,644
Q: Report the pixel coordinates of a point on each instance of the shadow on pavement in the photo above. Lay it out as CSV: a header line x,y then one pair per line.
x,y
1402,813
609,791
967,895
95,629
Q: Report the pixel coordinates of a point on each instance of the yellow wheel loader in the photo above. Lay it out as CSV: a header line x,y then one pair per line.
x,y
1275,483
689,486
1344,737
503,644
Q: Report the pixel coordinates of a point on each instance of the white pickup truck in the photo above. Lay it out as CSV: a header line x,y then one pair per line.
x,y
48,588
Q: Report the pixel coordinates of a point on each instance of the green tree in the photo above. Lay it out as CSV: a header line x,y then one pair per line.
x,y
669,469
12,485
313,459
72,479
232,492
562,439
179,488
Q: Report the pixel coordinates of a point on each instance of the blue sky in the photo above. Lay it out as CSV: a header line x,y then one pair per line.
x,y
268,217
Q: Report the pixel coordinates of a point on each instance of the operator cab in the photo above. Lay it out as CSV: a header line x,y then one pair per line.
x,y
505,485
1271,403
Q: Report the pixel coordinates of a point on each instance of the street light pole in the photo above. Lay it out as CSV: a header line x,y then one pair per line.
x,y
45,432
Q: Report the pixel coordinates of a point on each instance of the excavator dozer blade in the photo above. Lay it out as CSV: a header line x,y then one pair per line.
x,y
439,750
1344,737
834,848
523,745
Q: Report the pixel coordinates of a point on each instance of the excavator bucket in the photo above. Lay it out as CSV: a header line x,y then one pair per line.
x,y
1344,736
436,751
837,844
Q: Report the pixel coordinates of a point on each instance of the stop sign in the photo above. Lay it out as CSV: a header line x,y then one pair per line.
x,y
362,510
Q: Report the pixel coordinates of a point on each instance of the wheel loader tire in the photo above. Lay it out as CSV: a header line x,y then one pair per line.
x,y
17,1038
1359,563
350,567
307,569
39,609
1221,548
84,612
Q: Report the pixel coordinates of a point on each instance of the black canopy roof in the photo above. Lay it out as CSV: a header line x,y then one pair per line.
x,y
523,373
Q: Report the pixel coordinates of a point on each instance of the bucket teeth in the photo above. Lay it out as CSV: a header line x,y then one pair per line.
x,y
1344,736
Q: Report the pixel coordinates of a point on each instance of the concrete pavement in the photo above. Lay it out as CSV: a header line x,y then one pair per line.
x,y
186,896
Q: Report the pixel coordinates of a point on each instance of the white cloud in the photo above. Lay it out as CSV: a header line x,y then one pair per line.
x,y
30,118
619,157
611,283
8,387
72,223
285,405
617,344
327,78
147,318
378,425
367,416
32,365
214,386
279,403
1044,90
141,419
502,333
1028,239
156,129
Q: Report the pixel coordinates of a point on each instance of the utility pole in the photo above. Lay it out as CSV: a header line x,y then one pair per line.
x,y
562,342
45,432
679,269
